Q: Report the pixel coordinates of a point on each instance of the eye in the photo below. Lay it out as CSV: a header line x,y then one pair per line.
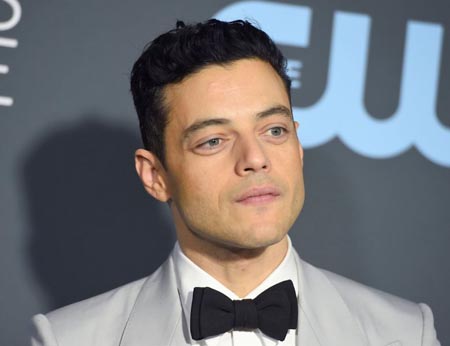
x,y
211,143
210,146
277,131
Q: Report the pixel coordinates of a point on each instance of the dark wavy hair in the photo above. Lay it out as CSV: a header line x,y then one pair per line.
x,y
176,54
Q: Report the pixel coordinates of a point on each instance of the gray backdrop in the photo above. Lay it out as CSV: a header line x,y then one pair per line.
x,y
74,219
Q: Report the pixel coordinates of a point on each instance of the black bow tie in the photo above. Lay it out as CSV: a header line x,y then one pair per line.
x,y
274,312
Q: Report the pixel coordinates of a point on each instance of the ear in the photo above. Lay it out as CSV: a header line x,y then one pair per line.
x,y
296,124
152,174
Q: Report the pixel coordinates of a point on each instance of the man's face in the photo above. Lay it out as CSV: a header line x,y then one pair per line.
x,y
233,160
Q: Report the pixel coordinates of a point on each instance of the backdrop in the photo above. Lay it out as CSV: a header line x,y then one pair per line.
x,y
371,93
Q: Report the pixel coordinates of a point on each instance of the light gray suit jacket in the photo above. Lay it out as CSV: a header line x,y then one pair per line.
x,y
333,311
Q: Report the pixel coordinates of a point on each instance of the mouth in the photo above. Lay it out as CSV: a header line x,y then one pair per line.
x,y
259,195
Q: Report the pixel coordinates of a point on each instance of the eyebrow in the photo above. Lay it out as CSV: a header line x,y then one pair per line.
x,y
198,125
279,109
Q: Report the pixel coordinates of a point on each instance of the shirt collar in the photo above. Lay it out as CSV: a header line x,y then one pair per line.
x,y
189,275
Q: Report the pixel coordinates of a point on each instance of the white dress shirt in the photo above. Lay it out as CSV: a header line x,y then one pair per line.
x,y
189,275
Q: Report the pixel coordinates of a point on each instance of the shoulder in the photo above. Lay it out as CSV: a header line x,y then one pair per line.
x,y
366,301
106,308
381,314
380,318
99,320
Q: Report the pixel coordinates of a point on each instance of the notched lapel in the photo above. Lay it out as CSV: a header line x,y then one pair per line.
x,y
156,316
324,318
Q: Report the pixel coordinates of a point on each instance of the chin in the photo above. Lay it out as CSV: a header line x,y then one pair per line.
x,y
258,237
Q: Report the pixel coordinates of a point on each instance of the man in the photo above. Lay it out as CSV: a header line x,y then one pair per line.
x,y
221,149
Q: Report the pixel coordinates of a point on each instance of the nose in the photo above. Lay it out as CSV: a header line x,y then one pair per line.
x,y
251,157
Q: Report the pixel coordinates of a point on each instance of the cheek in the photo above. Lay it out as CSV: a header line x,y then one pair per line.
x,y
289,171
199,201
205,173
195,187
287,159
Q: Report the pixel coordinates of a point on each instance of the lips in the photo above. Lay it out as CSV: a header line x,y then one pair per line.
x,y
258,195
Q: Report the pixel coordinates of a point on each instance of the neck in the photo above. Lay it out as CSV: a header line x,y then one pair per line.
x,y
240,270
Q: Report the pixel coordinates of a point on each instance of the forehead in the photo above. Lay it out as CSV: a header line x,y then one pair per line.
x,y
241,88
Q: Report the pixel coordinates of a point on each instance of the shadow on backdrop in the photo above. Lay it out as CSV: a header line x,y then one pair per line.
x,y
93,227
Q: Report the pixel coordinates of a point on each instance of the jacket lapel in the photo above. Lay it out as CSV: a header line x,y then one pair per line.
x,y
156,318
324,318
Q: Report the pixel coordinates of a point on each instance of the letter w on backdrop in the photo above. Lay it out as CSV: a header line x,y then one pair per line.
x,y
340,112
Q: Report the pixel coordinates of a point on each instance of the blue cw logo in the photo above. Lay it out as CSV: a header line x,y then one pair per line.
x,y
340,112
